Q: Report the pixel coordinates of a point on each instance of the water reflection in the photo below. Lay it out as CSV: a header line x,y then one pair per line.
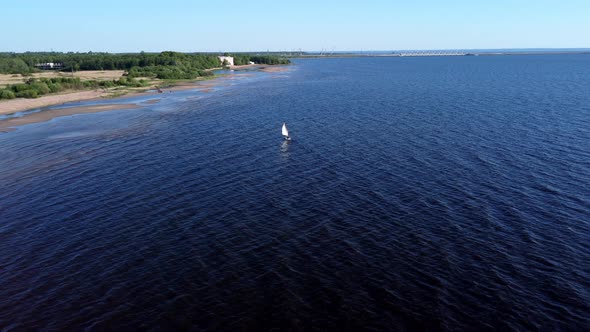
x,y
285,148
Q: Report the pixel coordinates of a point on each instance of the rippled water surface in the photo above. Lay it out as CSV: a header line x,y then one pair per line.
x,y
418,194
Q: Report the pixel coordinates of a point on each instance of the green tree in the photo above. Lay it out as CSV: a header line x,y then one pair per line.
x,y
7,94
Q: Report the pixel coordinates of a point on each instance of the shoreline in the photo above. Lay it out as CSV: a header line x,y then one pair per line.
x,y
15,106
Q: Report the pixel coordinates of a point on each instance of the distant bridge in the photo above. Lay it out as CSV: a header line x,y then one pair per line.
x,y
433,53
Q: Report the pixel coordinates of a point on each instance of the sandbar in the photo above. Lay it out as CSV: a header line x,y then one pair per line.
x,y
264,68
46,115
274,69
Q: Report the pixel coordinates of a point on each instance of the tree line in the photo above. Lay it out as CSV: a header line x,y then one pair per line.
x,y
168,64
22,63
244,59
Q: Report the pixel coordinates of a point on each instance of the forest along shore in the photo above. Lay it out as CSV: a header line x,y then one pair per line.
x,y
34,80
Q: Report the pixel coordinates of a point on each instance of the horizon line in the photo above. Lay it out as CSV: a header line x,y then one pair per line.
x,y
313,51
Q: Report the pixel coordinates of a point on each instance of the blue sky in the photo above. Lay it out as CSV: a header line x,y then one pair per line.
x,y
226,25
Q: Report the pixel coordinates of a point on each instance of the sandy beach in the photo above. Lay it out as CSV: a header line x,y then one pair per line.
x,y
23,104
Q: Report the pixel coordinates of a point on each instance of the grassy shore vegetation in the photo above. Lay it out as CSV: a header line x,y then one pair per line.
x,y
165,66
34,88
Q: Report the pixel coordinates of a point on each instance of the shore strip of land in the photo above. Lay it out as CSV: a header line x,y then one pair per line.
x,y
8,107
9,124
24,104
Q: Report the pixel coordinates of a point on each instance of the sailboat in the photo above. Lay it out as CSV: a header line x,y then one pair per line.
x,y
285,132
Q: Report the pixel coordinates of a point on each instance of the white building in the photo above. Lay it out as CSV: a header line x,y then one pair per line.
x,y
49,65
229,59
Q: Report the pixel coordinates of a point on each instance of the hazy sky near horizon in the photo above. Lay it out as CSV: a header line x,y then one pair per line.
x,y
148,25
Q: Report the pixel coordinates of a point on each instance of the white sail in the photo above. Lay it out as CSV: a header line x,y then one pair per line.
x,y
284,130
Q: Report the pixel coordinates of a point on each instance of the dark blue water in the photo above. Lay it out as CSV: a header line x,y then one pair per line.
x,y
418,194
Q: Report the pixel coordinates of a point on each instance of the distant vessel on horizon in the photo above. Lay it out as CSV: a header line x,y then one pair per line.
x,y
285,131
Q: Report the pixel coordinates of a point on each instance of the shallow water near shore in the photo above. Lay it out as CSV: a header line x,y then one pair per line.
x,y
417,193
